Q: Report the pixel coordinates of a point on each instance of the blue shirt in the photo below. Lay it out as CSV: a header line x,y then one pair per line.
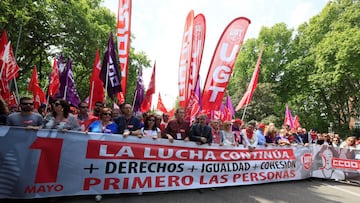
x,y
96,127
261,137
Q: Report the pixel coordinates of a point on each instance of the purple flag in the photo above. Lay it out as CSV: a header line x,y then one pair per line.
x,y
139,93
109,73
62,77
71,93
229,105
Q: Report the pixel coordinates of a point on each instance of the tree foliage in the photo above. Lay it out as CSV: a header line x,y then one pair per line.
x,y
48,28
314,70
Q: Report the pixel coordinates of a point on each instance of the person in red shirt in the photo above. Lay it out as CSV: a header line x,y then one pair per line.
x,y
164,122
177,128
83,117
215,126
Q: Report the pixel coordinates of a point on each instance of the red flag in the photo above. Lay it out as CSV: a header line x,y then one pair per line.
x,y
12,100
288,118
160,105
9,68
223,62
120,97
171,113
38,94
297,122
54,81
3,43
146,104
198,41
245,100
123,38
185,59
96,85
4,90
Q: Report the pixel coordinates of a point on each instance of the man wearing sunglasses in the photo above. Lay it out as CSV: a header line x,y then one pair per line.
x,y
26,117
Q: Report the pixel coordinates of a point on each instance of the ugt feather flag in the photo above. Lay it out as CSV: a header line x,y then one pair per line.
x,y
123,39
222,63
185,59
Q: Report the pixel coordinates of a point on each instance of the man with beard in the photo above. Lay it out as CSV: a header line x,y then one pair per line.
x,y
26,117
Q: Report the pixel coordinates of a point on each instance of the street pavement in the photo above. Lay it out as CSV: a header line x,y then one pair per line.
x,y
310,190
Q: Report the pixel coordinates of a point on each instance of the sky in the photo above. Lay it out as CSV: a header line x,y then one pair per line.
x,y
158,27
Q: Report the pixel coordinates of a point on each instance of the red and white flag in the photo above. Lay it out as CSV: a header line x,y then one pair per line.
x,y
160,105
185,60
9,68
146,104
245,100
97,92
288,118
54,81
222,63
198,41
297,122
38,94
123,42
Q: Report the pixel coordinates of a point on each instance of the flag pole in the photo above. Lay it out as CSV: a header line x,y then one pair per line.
x,y
107,80
65,92
134,99
16,89
92,93
47,103
247,103
243,116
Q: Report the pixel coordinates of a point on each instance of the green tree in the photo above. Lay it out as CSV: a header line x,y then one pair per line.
x,y
48,28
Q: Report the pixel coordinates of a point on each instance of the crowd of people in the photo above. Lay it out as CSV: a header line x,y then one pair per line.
x,y
59,115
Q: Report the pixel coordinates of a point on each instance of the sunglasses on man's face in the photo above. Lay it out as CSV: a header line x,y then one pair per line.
x,y
57,104
106,114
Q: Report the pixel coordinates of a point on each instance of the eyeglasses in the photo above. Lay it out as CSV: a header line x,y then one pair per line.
x,y
106,114
27,104
57,104
152,120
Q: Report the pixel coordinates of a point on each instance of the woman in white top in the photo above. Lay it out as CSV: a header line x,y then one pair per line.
x,y
149,130
227,137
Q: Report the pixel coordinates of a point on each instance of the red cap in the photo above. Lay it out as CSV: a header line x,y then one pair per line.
x,y
262,126
239,121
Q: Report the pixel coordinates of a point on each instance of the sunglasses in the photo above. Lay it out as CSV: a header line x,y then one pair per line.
x,y
25,104
57,104
106,114
83,107
151,120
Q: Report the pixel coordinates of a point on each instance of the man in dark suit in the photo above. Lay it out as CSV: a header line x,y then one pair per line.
x,y
201,132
